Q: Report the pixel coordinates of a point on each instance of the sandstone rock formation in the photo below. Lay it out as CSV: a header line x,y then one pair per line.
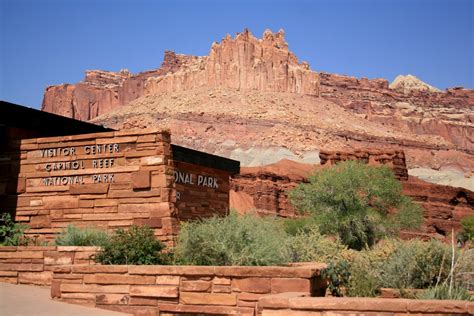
x,y
409,83
243,62
102,91
252,93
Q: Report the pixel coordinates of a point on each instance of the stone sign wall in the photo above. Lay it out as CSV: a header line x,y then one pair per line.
x,y
200,191
110,180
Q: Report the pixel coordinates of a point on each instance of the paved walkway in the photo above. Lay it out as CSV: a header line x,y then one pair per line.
x,y
33,300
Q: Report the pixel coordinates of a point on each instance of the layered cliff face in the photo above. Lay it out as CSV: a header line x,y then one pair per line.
x,y
102,91
251,100
449,115
243,62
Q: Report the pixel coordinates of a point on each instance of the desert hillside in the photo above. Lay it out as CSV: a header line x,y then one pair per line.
x,y
251,99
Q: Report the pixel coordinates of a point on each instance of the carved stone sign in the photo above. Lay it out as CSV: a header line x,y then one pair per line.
x,y
193,179
103,163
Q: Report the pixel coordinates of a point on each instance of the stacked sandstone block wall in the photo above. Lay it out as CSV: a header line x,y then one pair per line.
x,y
294,304
107,180
33,265
153,290
200,191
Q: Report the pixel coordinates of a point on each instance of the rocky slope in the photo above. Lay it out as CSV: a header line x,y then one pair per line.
x,y
250,99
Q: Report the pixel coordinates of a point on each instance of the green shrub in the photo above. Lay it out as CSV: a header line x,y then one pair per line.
x,y
366,269
75,236
245,240
137,245
295,225
337,274
417,264
443,292
468,227
11,233
309,245
352,200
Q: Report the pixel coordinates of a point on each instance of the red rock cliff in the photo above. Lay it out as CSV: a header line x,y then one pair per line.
x,y
243,62
102,91
449,114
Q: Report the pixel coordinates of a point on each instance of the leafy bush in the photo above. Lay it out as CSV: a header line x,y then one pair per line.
x,y
245,240
75,236
416,264
11,233
443,292
366,269
293,226
354,201
137,245
468,227
309,245
337,275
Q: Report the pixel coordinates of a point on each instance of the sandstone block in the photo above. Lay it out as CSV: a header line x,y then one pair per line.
x,y
115,299
8,273
118,279
207,299
36,278
105,202
221,281
40,221
152,161
21,267
252,285
154,291
96,188
11,280
150,222
22,255
221,288
21,185
93,288
57,258
141,180
195,286
281,285
167,279
55,288
143,301
59,202
69,297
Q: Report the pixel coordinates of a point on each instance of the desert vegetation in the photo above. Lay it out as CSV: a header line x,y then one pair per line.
x,y
11,233
352,214
87,236
358,203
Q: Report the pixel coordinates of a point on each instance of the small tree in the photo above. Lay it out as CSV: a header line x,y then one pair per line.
x,y
354,201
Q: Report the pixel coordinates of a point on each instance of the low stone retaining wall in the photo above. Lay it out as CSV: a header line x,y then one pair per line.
x,y
180,289
33,265
294,304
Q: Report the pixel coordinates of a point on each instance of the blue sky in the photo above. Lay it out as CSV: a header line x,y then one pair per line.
x,y
48,42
